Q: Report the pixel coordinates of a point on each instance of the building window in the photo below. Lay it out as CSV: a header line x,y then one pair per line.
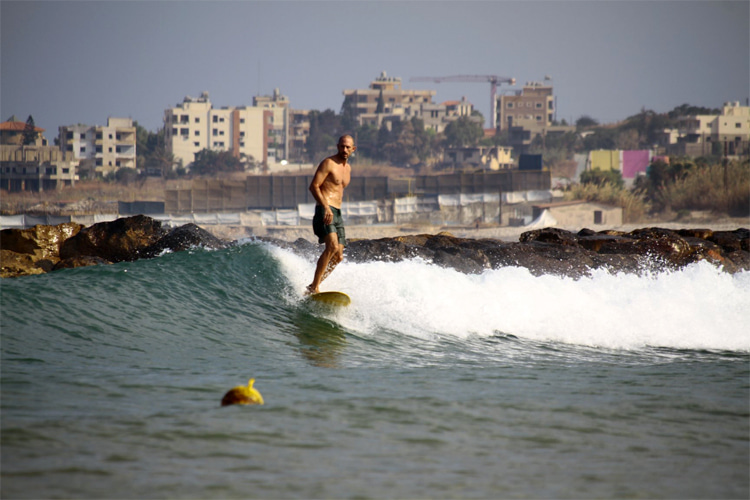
x,y
242,120
197,120
538,105
197,133
597,216
215,131
184,119
737,125
216,119
83,149
197,144
66,170
184,131
174,131
538,118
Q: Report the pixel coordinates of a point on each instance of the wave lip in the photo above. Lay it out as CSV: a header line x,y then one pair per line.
x,y
697,307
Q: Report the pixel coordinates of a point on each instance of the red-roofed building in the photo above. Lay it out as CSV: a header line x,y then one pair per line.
x,y
11,132
33,167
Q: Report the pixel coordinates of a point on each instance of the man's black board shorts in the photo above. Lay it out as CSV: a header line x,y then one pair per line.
x,y
322,230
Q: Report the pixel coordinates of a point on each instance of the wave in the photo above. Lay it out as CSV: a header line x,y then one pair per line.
x,y
699,307
257,287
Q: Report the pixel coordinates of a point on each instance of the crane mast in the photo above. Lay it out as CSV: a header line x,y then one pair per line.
x,y
493,80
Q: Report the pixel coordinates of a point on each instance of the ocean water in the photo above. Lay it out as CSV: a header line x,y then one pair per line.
x,y
432,384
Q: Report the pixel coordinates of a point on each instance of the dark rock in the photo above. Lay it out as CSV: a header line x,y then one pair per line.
x,y
464,260
120,240
48,248
559,252
550,235
79,261
184,238
385,249
731,241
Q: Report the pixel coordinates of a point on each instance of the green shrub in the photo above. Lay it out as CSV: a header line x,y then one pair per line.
x,y
633,205
708,187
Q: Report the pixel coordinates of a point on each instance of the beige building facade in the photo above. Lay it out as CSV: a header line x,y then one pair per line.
x,y
278,124
100,149
385,100
35,168
195,124
532,108
700,135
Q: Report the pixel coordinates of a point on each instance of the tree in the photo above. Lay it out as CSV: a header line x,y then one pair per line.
x,y
601,177
381,103
325,129
602,138
208,162
463,132
586,122
29,132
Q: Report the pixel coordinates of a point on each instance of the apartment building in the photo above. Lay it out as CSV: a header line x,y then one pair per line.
x,y
278,124
34,167
385,101
100,149
195,124
532,108
299,131
438,116
701,135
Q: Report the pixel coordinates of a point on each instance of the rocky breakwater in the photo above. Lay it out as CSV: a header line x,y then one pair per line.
x,y
563,253
43,248
543,251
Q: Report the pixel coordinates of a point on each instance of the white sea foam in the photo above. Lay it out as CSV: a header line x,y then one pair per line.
x,y
699,307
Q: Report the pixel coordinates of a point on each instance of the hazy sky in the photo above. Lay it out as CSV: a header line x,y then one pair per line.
x,y
79,62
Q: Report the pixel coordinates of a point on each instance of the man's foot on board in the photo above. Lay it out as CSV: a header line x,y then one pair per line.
x,y
310,290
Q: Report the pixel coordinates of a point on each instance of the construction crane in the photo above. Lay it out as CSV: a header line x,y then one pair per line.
x,y
493,80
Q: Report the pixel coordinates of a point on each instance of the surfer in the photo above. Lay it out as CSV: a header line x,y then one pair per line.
x,y
327,187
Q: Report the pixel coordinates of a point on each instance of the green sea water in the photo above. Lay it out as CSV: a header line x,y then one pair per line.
x,y
432,384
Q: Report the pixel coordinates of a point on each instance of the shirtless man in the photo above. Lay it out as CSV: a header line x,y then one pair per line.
x,y
327,187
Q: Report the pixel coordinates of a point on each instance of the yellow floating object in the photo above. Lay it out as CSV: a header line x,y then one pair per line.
x,y
242,395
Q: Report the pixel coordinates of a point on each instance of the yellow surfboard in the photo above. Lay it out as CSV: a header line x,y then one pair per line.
x,y
332,298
